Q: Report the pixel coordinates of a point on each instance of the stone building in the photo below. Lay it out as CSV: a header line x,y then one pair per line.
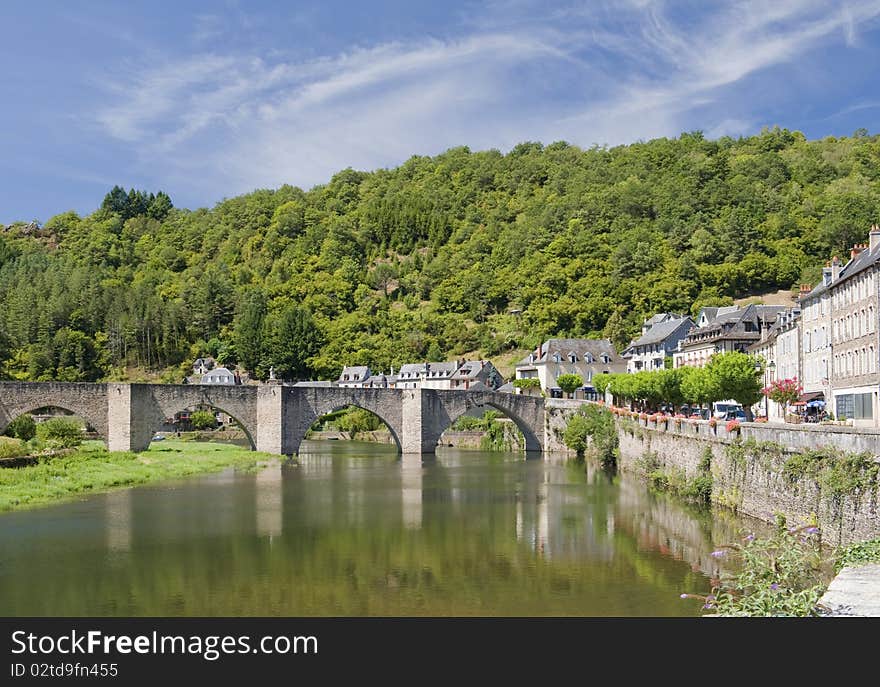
x,y
426,375
353,377
780,349
724,329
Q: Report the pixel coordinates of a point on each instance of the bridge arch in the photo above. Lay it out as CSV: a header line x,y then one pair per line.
x,y
305,405
238,402
525,412
87,401
361,406
247,432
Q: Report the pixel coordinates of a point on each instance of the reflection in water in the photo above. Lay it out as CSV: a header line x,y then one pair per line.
x,y
354,529
411,490
270,517
117,520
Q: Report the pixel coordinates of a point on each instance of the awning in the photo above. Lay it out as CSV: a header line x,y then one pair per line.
x,y
811,396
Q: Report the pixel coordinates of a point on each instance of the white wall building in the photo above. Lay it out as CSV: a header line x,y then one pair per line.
x,y
219,375
556,357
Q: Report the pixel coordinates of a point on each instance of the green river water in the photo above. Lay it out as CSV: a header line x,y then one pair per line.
x,y
354,529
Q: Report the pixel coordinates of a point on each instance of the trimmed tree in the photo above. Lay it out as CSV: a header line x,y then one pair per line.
x,y
570,383
735,375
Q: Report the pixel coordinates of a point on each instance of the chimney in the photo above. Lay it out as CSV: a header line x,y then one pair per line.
x,y
855,250
874,237
805,289
835,269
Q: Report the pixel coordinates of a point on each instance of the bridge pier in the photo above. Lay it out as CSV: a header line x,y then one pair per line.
x,y
130,417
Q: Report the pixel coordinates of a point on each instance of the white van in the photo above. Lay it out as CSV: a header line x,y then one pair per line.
x,y
721,408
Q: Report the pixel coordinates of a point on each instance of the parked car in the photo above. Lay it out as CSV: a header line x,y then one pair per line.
x,y
738,414
722,408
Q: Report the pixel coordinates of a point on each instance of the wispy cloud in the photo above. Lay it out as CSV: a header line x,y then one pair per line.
x,y
220,123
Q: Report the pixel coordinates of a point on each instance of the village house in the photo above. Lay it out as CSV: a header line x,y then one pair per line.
x,y
476,374
724,329
204,365
780,350
851,301
426,375
220,375
353,377
556,357
659,340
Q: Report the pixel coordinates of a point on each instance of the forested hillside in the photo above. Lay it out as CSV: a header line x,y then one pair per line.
x,y
463,252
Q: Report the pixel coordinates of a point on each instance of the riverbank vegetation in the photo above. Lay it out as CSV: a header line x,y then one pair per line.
x,y
779,575
91,468
392,266
592,429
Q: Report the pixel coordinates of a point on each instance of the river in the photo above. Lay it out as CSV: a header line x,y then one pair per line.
x,y
354,529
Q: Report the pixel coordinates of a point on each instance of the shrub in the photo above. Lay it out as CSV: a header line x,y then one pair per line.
x,y
12,448
778,575
60,432
23,427
593,422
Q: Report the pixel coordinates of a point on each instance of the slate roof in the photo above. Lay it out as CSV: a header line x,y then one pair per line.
x,y
445,369
660,332
470,369
356,373
865,259
596,347
729,323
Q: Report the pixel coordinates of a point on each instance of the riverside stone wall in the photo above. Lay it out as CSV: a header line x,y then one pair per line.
x,y
749,477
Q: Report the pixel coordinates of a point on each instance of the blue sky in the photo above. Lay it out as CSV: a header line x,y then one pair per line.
x,y
207,100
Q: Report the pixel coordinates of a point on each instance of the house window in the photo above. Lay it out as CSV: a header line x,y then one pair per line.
x,y
572,358
605,358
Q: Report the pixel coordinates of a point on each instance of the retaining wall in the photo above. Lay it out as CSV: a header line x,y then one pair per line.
x,y
752,482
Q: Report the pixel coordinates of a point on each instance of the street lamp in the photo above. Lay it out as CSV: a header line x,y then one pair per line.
x,y
770,367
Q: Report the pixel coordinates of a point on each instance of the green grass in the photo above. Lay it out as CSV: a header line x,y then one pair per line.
x,y
857,554
91,468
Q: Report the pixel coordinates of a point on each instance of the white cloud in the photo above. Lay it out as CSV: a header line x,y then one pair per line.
x,y
219,124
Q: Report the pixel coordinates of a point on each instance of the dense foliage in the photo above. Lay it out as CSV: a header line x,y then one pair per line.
x,y
592,426
461,253
731,375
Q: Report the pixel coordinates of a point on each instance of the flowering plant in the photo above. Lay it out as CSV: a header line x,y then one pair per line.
x,y
643,416
712,422
777,576
762,418
732,425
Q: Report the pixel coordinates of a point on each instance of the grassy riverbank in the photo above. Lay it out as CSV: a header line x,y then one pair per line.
x,y
91,468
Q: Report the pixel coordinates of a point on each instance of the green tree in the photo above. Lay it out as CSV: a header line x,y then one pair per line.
x,y
292,340
203,419
570,383
736,377
249,328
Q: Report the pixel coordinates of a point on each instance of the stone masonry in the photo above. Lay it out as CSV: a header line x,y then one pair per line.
x,y
274,417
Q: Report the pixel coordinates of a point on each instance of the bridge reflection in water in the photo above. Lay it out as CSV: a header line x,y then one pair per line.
x,y
355,529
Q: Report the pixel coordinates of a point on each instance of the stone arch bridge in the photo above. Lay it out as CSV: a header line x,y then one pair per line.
x,y
275,417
